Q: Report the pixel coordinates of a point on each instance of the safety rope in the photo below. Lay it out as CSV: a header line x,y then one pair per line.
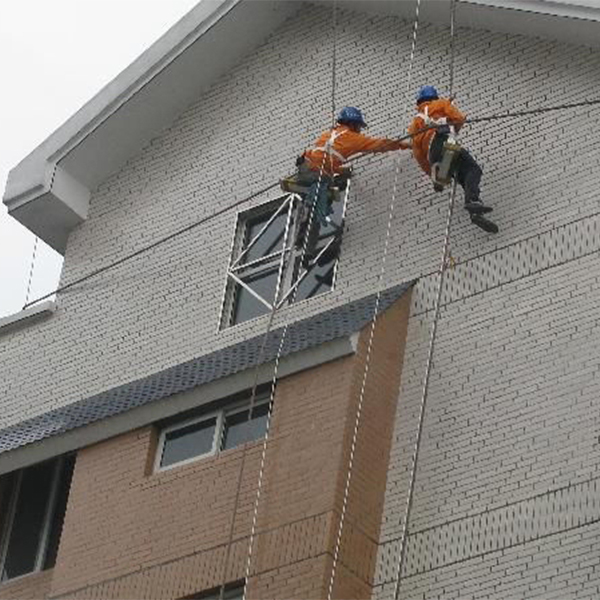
x,y
428,364
382,270
277,361
257,365
30,278
234,205
292,299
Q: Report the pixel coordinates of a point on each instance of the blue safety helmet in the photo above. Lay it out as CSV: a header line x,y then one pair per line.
x,y
349,115
427,92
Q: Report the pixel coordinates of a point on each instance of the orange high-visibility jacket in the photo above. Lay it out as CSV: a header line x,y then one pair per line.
x,y
335,146
430,113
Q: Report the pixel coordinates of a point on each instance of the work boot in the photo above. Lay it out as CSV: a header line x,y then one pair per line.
x,y
476,207
484,223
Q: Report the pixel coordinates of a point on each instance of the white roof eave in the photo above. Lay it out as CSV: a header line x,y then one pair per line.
x,y
49,190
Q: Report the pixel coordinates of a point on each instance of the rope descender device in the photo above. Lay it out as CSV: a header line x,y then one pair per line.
x,y
441,172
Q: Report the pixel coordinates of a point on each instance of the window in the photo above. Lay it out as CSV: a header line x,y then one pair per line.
x,y
34,502
204,435
265,261
232,591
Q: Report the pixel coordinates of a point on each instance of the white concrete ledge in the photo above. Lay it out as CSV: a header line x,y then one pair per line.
x,y
33,313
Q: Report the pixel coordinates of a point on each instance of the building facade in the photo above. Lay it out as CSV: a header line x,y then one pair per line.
x,y
138,458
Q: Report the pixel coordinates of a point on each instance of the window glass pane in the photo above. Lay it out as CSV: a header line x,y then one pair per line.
x,y
270,241
231,592
7,490
246,306
60,508
32,503
318,280
239,430
188,442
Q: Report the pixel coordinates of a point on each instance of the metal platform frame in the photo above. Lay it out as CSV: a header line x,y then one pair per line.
x,y
291,204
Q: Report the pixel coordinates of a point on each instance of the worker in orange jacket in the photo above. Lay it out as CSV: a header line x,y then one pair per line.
x,y
320,165
430,130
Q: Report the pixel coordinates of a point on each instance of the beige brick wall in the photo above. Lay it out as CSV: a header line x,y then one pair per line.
x,y
131,533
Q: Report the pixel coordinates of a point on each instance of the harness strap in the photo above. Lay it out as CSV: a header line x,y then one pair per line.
x,y
430,120
328,147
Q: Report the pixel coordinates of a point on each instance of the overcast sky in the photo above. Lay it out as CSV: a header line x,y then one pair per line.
x,y
54,56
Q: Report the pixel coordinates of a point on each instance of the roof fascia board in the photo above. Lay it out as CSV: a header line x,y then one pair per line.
x,y
173,405
125,115
589,11
110,98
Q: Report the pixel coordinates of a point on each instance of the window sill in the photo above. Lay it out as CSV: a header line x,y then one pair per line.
x,y
23,317
34,579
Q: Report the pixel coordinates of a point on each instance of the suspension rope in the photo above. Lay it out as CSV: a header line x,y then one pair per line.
x,y
533,111
234,205
30,278
277,361
293,297
257,365
382,270
428,364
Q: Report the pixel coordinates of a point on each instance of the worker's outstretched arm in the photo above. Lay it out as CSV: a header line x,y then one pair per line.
x,y
365,144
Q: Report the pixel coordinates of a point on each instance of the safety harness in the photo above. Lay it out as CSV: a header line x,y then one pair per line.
x,y
441,172
330,150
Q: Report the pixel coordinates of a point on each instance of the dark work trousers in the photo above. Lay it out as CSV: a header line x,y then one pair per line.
x,y
465,170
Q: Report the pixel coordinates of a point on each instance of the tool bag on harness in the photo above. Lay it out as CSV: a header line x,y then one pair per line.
x,y
443,151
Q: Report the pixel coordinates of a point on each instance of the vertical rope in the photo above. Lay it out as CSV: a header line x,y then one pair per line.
x,y
252,402
30,278
429,362
452,48
333,62
286,327
338,541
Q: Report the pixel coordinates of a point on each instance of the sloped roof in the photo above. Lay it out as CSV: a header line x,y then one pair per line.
x,y
49,190
308,333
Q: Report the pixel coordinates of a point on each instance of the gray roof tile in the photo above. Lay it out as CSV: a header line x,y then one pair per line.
x,y
313,331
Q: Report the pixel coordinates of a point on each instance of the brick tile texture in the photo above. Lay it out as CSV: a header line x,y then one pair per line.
x,y
511,427
132,533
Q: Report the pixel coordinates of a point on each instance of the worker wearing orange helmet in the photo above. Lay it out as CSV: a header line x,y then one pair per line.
x,y
430,130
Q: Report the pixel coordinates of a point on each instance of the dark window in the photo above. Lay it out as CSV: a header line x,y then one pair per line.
x,y
32,529
58,518
239,429
260,260
186,442
232,591
270,240
246,305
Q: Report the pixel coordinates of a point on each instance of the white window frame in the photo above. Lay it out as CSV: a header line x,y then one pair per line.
x,y
233,593
220,415
44,538
181,425
283,260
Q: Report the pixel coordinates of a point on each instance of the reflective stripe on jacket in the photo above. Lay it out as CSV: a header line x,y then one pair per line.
x,y
336,146
434,112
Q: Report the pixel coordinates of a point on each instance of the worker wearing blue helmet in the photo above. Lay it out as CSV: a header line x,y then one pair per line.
x,y
325,162
431,130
